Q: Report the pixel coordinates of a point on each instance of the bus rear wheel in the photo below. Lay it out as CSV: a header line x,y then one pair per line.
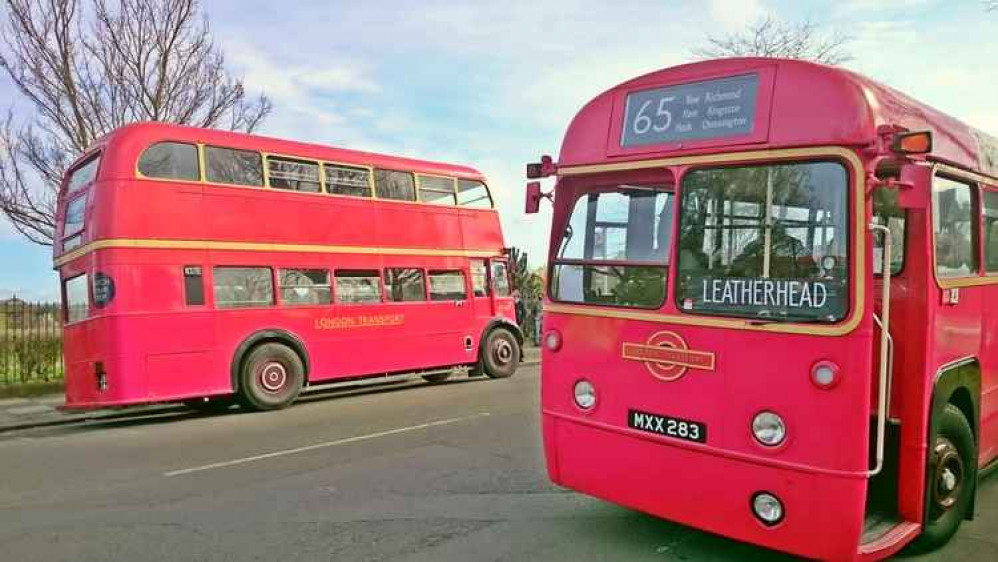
x,y
500,354
271,377
952,476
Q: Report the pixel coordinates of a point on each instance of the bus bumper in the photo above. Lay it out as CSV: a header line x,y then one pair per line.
x,y
708,489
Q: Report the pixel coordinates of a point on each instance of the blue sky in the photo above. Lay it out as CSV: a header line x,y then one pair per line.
x,y
494,84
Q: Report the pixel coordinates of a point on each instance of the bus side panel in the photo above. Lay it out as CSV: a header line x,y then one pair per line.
x,y
989,379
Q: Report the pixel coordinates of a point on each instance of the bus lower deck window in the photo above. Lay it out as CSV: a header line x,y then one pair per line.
x,y
304,286
405,284
242,287
446,285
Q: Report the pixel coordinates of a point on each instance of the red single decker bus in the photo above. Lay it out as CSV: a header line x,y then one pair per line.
x,y
202,265
772,300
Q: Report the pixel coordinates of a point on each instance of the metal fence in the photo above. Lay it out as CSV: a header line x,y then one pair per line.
x,y
30,342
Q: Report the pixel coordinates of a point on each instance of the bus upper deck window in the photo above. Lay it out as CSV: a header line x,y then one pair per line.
x,y
294,175
170,160
83,174
399,186
231,166
473,193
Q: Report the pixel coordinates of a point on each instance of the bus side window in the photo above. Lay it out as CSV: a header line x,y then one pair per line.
x,y
500,278
954,221
887,212
193,285
447,285
405,285
991,231
479,278
391,184
234,167
170,160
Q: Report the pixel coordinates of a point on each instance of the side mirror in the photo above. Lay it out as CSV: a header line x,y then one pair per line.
x,y
915,187
534,196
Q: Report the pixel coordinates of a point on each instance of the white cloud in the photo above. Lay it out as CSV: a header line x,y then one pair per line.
x,y
734,15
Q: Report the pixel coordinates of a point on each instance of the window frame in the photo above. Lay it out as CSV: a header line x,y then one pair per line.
x,y
324,164
267,156
985,189
658,186
70,188
904,242
850,277
420,189
337,293
485,186
218,305
486,278
508,274
377,193
388,291
205,166
67,319
281,301
976,225
198,162
464,284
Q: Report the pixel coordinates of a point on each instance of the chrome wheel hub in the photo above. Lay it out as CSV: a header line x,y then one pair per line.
x,y
502,351
273,377
948,474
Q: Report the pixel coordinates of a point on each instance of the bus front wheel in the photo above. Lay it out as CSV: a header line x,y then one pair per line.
x,y
500,354
271,377
952,474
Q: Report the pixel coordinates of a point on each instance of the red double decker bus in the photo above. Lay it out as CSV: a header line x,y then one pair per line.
x,y
770,312
203,265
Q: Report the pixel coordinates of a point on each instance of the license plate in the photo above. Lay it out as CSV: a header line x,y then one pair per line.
x,y
668,426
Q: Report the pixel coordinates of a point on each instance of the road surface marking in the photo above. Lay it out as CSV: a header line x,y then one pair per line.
x,y
344,441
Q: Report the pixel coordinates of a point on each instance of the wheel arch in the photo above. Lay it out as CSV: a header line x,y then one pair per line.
x,y
270,335
958,383
501,322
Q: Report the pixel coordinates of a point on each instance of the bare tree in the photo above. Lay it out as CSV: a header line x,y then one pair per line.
x,y
768,37
87,67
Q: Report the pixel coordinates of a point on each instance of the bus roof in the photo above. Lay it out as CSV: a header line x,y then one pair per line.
x,y
799,103
129,141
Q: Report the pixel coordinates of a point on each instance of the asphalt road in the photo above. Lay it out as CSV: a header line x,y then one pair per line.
x,y
405,472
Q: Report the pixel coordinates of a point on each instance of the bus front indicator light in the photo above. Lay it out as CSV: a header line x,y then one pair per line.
x,y
553,340
767,508
769,429
825,374
585,394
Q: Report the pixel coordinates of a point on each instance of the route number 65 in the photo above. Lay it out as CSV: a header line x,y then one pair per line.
x,y
643,122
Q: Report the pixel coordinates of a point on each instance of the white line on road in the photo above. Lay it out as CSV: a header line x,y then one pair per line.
x,y
344,441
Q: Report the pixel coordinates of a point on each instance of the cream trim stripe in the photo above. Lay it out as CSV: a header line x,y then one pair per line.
x,y
152,244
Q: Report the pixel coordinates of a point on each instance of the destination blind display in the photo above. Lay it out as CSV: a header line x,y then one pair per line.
x,y
766,298
703,110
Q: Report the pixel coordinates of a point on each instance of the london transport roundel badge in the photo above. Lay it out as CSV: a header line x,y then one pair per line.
x,y
667,356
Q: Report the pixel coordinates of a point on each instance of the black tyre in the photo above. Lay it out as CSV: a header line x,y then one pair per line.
x,y
437,378
500,356
271,377
210,405
952,474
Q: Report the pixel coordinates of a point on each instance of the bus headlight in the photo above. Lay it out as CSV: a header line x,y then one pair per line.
x,y
769,429
767,508
585,394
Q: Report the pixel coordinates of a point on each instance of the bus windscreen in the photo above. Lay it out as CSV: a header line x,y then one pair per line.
x,y
765,242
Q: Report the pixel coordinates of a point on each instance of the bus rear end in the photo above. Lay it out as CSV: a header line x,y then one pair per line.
x,y
708,348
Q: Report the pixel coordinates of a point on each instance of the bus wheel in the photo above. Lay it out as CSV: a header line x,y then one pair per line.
x,y
271,377
501,354
952,474
437,378
210,405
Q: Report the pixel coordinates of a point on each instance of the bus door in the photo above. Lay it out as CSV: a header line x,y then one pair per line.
x,y
502,290
481,291
453,329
